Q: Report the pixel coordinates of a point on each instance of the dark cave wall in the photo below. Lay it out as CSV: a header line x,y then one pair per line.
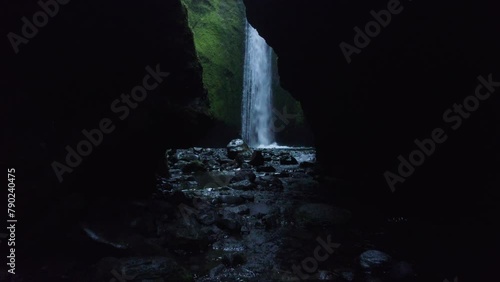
x,y
66,79
393,92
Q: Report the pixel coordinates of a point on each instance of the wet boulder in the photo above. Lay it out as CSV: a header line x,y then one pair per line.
x,y
257,158
237,147
288,159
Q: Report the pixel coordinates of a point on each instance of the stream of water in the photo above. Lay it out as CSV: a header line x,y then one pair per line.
x,y
257,92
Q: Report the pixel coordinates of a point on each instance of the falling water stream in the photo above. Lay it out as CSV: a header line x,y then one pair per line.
x,y
257,93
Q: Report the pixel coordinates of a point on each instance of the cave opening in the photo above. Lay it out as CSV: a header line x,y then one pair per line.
x,y
236,187
138,151
240,73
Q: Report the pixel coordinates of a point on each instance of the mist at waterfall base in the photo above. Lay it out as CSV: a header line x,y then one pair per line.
x,y
256,114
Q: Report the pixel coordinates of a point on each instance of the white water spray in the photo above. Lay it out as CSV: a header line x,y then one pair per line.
x,y
257,107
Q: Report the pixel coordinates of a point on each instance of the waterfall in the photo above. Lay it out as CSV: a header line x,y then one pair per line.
x,y
256,111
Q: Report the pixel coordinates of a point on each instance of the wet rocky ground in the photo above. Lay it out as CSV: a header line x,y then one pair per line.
x,y
236,214
232,214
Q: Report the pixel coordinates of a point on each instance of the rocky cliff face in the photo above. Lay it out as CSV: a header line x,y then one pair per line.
x,y
368,95
219,33
377,91
127,74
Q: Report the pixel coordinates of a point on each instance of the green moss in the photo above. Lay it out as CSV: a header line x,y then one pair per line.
x,y
219,32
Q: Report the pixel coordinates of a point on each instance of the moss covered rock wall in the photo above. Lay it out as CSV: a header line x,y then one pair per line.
x,y
219,33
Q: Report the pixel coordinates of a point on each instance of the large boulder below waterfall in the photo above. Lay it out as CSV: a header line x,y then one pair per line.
x,y
237,147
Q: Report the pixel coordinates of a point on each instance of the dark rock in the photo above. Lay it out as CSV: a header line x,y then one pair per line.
x,y
229,245
324,275
184,155
194,166
175,171
212,165
179,165
276,184
207,218
197,150
261,209
242,209
244,156
248,196
213,179
244,174
144,224
231,199
257,158
170,153
216,270
245,165
271,221
177,197
348,275
236,147
270,183
321,215
401,270
141,246
105,268
244,230
268,156
228,224
233,164
233,259
146,267
283,174
266,169
163,168
187,234
306,165
373,260
222,273
288,160
224,161
243,185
